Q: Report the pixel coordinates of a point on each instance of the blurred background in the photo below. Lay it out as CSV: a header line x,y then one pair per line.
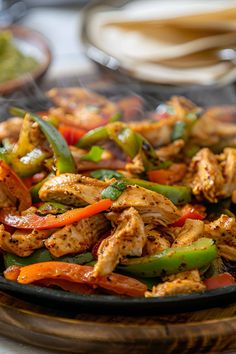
x,y
187,42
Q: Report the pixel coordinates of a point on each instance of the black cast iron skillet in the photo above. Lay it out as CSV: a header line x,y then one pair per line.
x,y
35,100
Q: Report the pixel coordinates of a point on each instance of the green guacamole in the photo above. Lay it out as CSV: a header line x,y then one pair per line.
x,y
13,63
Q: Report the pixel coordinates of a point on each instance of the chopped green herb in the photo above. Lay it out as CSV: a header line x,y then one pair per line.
x,y
114,191
106,174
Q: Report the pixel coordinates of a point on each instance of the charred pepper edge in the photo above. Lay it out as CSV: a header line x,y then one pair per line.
x,y
173,260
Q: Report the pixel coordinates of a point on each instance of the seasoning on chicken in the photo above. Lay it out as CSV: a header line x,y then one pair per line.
x,y
10,128
73,189
189,233
22,242
228,252
128,239
206,179
182,283
171,150
213,126
228,165
222,230
80,107
157,133
78,237
155,241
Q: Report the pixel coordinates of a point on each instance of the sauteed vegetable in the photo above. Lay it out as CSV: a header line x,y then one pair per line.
x,y
101,196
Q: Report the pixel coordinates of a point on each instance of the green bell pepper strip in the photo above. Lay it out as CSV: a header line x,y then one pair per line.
x,y
173,260
177,194
29,164
129,141
92,137
64,159
125,138
43,255
52,208
95,154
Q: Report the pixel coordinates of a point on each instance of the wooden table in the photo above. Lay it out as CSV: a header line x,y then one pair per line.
x,y
205,331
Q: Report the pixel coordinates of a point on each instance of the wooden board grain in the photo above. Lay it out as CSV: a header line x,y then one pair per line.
x,y
205,331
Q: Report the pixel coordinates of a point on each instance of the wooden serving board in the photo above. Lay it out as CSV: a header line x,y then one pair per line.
x,y
205,331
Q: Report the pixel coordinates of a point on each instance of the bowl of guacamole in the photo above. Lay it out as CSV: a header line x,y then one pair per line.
x,y
24,57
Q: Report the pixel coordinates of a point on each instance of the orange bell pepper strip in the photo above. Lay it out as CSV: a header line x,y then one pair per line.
x,y
67,286
12,273
14,186
71,134
173,174
117,283
34,221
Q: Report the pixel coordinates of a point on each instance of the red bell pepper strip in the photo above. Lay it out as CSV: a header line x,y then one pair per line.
x,y
34,221
173,174
191,214
117,283
71,134
219,281
14,186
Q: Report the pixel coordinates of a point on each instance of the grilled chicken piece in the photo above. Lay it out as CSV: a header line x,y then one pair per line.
x,y
155,242
229,171
193,275
228,252
80,107
22,242
222,230
10,128
181,283
127,240
206,178
153,207
182,106
78,237
217,124
190,232
74,189
157,133
171,150
136,166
